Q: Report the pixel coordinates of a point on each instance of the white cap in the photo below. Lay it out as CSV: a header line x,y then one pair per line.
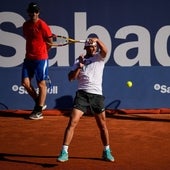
x,y
89,43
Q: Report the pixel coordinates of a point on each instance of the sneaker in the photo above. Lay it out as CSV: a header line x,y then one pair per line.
x,y
36,115
63,156
44,107
108,156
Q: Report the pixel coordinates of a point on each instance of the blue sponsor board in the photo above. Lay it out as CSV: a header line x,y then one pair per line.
x,y
151,88
136,34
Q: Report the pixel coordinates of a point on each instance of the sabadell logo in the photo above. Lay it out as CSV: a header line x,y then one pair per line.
x,y
162,88
21,89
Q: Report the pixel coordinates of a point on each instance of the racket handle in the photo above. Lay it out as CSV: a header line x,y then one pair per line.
x,y
82,41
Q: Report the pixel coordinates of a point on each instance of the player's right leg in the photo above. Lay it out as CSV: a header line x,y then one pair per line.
x,y
69,132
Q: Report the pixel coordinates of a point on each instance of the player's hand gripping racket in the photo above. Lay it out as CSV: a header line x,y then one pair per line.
x,y
59,41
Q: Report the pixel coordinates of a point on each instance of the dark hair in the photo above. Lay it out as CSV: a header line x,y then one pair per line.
x,y
33,7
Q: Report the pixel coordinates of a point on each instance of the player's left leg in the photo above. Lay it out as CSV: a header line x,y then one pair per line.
x,y
101,123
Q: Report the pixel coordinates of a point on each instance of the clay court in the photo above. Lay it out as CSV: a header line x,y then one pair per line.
x,y
139,141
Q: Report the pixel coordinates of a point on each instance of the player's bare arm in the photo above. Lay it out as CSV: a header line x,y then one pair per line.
x,y
49,41
72,75
103,48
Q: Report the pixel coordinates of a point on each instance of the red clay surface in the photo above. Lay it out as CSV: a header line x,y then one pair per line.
x,y
138,142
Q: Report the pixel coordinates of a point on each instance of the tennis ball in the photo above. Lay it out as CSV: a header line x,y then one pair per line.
x,y
129,84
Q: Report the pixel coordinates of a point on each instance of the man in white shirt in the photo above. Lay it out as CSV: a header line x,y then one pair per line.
x,y
88,70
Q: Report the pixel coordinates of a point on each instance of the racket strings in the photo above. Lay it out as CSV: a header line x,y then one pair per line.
x,y
60,40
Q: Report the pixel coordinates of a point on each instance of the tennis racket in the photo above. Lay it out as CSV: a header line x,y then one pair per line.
x,y
59,41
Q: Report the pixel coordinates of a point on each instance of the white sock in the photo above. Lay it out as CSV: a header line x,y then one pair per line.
x,y
106,147
65,148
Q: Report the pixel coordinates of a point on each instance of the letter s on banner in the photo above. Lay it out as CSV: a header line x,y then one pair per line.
x,y
12,40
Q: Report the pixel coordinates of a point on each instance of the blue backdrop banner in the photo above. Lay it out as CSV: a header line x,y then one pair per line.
x,y
136,35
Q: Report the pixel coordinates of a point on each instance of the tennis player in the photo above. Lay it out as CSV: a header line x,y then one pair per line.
x,y
36,33
88,70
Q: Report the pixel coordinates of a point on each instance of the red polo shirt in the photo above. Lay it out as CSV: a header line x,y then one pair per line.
x,y
36,35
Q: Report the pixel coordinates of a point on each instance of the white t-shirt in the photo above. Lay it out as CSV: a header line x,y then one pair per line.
x,y
91,75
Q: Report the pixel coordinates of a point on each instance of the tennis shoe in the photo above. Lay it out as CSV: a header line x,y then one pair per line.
x,y
63,156
107,156
36,115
